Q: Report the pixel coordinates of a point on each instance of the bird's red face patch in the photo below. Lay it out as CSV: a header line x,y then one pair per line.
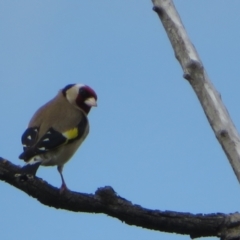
x,y
84,93
88,91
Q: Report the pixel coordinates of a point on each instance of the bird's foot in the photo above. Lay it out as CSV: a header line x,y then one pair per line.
x,y
63,188
24,176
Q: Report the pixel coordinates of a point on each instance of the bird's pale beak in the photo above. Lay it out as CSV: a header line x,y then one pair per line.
x,y
91,102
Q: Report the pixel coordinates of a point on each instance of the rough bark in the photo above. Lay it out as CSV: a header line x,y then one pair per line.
x,y
105,200
195,73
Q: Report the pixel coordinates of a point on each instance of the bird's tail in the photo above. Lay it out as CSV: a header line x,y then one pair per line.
x,y
30,168
28,171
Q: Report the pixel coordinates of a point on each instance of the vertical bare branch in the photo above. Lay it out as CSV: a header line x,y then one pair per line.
x,y
195,73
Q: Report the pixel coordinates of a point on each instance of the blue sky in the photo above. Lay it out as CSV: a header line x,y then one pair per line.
x,y
149,138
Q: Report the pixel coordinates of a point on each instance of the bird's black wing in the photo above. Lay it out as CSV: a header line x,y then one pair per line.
x,y
50,140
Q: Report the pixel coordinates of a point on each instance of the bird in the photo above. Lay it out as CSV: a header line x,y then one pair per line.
x,y
57,129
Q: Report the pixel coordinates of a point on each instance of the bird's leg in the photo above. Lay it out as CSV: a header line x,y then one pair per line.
x,y
64,186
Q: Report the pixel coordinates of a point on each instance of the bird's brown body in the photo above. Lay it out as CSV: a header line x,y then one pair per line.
x,y
72,117
57,129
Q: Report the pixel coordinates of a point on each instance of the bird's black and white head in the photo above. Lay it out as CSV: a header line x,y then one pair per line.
x,y
81,96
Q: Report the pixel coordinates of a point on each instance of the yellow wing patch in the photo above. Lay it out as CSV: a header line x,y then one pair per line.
x,y
71,134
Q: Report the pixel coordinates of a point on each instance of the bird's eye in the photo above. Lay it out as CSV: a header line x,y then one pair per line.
x,y
82,92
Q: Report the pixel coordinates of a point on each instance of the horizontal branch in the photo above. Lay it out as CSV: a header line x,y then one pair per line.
x,y
194,72
105,200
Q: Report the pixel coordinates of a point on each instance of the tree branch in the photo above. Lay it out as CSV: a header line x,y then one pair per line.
x,y
194,72
105,200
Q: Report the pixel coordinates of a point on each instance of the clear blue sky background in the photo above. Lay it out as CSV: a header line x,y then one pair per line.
x,y
149,138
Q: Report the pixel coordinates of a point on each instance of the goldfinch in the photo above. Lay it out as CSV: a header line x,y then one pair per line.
x,y
57,129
